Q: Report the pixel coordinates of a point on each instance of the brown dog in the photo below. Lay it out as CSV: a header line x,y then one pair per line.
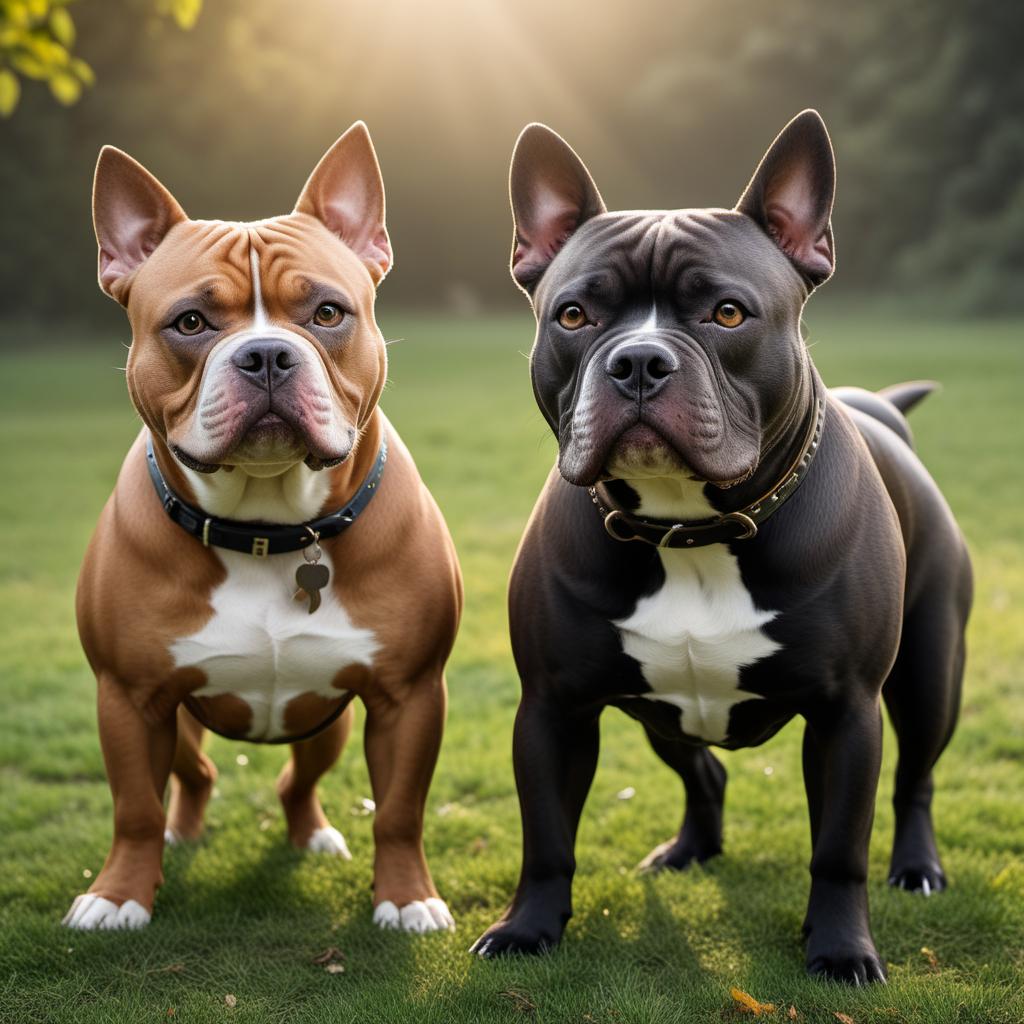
x,y
241,578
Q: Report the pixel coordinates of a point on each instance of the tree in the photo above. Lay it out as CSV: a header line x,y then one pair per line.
x,y
36,41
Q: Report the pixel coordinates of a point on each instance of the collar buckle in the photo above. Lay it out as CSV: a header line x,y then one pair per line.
x,y
750,527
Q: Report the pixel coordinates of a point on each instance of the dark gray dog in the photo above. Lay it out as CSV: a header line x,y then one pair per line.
x,y
726,544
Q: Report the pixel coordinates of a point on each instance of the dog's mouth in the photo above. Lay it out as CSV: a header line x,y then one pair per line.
x,y
644,447
270,437
641,450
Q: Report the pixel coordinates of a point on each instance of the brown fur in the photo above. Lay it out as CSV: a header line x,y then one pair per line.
x,y
145,583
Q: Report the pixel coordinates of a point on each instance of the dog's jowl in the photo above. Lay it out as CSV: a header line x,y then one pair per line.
x,y
269,552
724,544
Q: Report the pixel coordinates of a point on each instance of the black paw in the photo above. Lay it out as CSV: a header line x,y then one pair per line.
x,y
924,879
515,936
855,964
676,856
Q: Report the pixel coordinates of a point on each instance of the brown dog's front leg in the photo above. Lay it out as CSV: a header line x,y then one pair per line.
x,y
402,742
138,757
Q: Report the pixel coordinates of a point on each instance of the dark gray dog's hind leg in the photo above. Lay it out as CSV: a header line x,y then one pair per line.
x,y
922,694
703,775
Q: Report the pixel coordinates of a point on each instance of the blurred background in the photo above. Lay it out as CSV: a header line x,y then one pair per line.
x,y
230,103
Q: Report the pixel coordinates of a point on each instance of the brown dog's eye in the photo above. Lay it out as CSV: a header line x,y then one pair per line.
x,y
572,317
729,314
328,315
190,323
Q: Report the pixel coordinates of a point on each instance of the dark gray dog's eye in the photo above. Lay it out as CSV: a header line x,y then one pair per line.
x,y
572,317
729,314
190,323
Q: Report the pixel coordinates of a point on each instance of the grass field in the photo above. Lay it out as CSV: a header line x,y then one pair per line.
x,y
242,915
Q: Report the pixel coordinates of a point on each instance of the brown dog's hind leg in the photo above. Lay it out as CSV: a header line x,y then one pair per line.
x,y
308,827
192,780
402,741
138,757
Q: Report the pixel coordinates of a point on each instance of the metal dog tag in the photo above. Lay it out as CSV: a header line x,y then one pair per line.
x,y
311,577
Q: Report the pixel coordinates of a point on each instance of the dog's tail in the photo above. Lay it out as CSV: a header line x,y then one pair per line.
x,y
905,396
889,405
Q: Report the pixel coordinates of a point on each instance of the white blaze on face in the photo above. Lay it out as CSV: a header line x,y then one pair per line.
x,y
259,318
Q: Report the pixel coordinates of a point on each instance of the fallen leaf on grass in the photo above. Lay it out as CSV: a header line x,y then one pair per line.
x,y
330,954
334,968
933,961
845,1018
792,1013
519,1000
230,1001
748,1004
169,969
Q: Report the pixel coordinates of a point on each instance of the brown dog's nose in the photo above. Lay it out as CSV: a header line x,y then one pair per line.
x,y
266,362
640,369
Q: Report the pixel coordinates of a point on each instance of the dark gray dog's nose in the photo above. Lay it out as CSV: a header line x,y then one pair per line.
x,y
640,369
266,362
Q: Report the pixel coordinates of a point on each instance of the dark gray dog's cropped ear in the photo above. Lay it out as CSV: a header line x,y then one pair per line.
x,y
791,194
552,194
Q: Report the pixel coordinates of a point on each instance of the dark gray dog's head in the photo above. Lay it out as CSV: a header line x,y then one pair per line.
x,y
669,342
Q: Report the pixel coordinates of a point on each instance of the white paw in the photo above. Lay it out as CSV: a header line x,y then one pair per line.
x,y
90,912
431,915
329,840
171,838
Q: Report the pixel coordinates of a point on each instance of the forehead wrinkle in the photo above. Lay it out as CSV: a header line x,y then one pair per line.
x,y
687,237
288,240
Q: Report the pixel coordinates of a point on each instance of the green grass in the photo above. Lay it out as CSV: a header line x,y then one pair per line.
x,y
243,914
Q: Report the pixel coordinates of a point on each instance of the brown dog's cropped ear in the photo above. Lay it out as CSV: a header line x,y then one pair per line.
x,y
345,192
131,214
552,194
791,195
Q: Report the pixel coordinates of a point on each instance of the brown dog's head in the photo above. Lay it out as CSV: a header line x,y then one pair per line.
x,y
252,344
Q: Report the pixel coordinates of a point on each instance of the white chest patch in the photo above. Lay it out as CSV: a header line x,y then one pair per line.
x,y
694,635
264,647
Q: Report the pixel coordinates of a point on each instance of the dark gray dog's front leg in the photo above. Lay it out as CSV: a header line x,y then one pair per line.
x,y
555,755
842,757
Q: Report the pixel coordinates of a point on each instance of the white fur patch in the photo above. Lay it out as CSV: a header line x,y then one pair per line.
x,y
293,496
259,315
263,646
329,840
692,636
430,915
90,912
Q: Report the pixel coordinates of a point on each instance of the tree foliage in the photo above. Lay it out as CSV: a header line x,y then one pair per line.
x,y
37,39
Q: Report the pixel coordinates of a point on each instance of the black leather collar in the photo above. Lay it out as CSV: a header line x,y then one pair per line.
x,y
262,539
729,526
